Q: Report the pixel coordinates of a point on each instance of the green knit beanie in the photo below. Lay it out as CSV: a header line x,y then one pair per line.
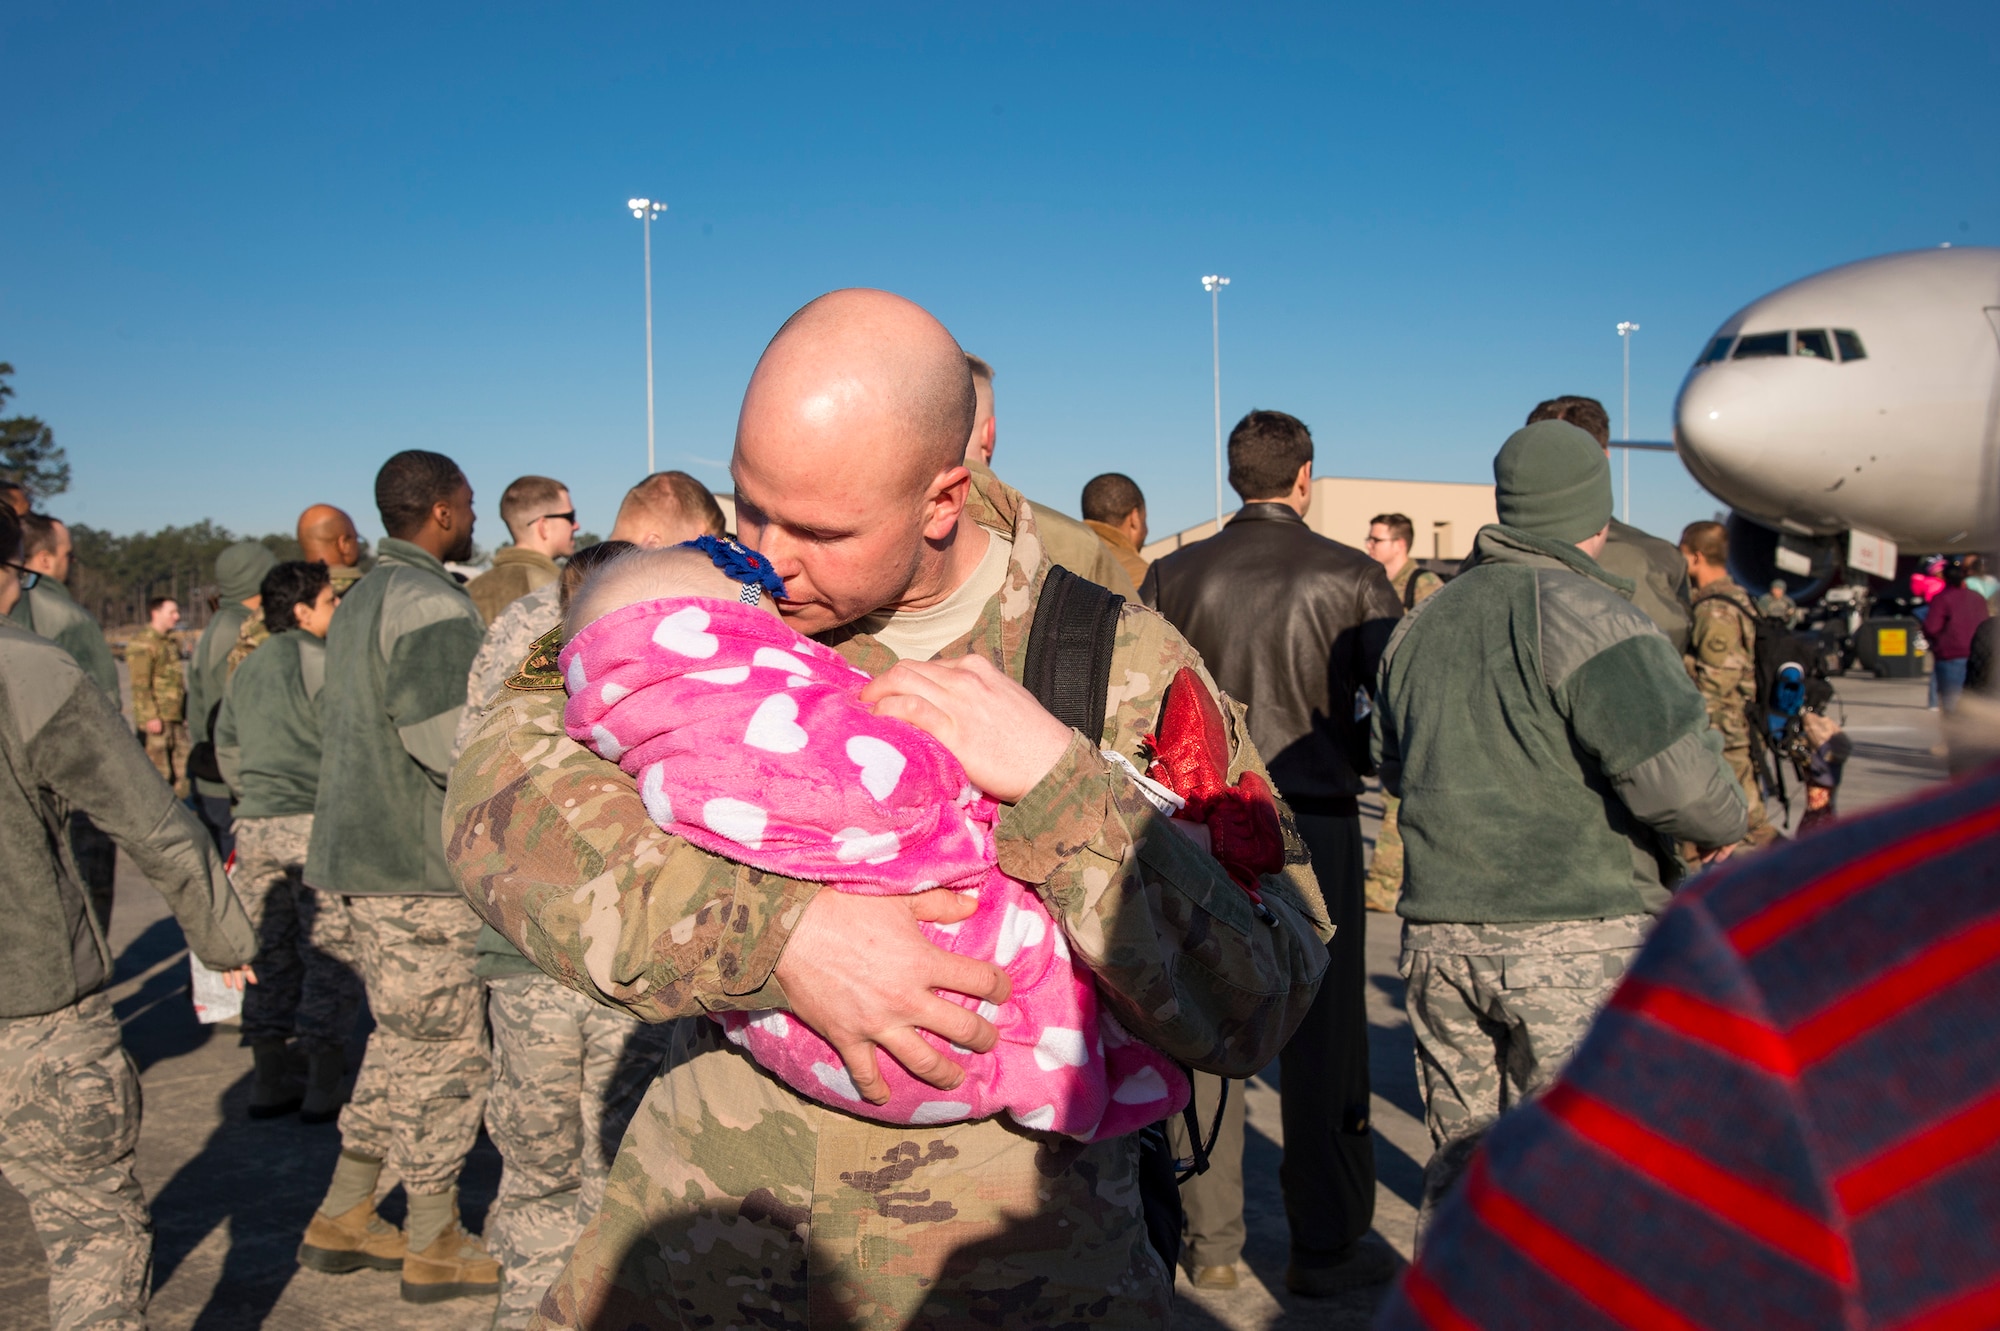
x,y
1552,480
240,570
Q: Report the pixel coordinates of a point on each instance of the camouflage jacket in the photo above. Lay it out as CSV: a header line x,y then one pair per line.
x,y
1414,584
552,846
1722,657
249,638
159,686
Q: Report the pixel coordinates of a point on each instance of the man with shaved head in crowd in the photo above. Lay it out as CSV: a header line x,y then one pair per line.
x,y
327,536
733,1199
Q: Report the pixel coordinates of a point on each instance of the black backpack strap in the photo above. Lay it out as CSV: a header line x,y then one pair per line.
x,y
1068,667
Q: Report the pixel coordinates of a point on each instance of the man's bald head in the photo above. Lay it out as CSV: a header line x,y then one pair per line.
x,y
871,375
849,462
327,536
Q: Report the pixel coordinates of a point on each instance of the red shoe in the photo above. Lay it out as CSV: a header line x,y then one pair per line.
x,y
1191,758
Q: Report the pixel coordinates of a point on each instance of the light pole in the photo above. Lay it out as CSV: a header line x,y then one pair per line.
x,y
646,210
1625,331
1213,286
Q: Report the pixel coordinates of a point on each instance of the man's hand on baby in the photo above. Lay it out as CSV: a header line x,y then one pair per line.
x,y
860,972
1006,740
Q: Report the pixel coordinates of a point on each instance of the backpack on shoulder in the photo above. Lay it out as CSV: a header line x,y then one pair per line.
x,y
1068,669
1791,678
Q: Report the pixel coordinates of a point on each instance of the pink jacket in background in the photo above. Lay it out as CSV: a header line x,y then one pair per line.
x,y
748,740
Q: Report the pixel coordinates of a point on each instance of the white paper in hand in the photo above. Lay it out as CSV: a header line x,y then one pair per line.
x,y
213,1000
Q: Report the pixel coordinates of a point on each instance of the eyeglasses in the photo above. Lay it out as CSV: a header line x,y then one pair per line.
x,y
29,577
569,517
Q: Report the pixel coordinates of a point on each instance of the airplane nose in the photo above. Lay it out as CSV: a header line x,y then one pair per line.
x,y
1721,437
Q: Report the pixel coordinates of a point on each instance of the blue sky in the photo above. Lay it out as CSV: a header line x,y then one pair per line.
x,y
251,250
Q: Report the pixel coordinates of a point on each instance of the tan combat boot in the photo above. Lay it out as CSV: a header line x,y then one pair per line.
x,y
350,1242
455,1266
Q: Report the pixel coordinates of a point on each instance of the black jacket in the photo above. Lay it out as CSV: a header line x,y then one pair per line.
x,y
1290,624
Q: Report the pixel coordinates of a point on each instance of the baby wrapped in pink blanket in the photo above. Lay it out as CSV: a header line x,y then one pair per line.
x,y
748,740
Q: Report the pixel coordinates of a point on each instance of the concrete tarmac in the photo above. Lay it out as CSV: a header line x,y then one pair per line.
x,y
231,1197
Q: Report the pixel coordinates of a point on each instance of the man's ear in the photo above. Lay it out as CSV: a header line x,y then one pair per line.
x,y
945,501
441,515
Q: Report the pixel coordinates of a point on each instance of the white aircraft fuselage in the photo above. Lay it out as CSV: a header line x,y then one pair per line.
x,y
1864,398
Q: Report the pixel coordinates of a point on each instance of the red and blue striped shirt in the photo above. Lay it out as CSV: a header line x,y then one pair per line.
x,y
1787,1116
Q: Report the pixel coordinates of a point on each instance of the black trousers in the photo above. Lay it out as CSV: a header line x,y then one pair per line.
x,y
1329,1170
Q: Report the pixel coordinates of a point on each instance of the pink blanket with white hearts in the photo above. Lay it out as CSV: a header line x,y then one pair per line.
x,y
748,740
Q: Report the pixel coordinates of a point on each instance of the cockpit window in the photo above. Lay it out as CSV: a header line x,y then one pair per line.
x,y
1850,344
1717,350
1815,342
1764,344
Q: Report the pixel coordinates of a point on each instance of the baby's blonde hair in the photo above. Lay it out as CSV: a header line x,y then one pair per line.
x,y
647,575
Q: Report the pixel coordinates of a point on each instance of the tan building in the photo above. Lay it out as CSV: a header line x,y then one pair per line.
x,y
1446,514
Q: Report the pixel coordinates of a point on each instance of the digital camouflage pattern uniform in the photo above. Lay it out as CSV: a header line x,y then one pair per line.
x,y
396,660
734,1201
508,641
1539,821
1529,991
1385,865
568,1074
306,982
1722,660
159,693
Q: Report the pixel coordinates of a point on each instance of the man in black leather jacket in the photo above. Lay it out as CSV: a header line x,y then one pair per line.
x,y
1292,625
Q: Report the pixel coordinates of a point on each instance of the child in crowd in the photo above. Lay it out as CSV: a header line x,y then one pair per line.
x,y
749,740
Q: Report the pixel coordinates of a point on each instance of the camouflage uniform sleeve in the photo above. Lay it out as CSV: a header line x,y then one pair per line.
x,y
1175,945
1722,657
553,847
142,659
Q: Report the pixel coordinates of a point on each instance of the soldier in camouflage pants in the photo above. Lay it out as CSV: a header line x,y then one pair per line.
x,y
1497,1010
69,1127
568,1074
307,985
422,1086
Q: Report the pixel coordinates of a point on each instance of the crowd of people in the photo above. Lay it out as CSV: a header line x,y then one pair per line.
x,y
1092,825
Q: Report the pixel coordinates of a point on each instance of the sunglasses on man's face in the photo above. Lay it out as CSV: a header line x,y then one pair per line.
x,y
29,577
569,517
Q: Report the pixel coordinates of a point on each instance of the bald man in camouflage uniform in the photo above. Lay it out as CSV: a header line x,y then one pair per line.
x,y
1722,660
735,1200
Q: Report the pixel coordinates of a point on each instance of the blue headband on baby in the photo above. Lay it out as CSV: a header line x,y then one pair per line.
x,y
743,565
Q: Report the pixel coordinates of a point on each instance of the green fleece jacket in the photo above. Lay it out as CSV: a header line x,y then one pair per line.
x,y
267,735
208,671
1546,742
48,609
63,747
397,656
